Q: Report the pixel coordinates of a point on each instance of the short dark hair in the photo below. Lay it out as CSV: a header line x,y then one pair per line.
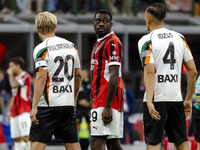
x,y
18,61
157,10
103,11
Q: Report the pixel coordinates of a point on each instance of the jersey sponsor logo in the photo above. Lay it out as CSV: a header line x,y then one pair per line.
x,y
168,78
62,89
114,45
114,58
165,35
95,127
60,46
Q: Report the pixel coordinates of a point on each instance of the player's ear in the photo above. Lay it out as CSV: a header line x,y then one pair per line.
x,y
38,29
93,22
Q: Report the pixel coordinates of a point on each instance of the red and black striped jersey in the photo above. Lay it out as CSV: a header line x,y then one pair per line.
x,y
22,95
107,51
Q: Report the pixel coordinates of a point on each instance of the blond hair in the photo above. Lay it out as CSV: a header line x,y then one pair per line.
x,y
46,22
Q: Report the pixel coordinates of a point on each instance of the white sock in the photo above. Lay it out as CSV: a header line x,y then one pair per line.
x,y
22,145
28,145
18,146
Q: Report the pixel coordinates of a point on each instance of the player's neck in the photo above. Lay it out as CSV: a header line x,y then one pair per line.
x,y
19,72
154,27
43,37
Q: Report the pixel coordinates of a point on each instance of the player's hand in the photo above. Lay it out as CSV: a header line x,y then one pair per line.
x,y
187,107
8,115
33,116
107,115
10,71
153,113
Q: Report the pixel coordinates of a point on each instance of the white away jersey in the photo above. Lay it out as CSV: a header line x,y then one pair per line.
x,y
60,58
167,50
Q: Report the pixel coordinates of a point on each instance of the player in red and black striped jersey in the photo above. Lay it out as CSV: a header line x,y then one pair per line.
x,y
20,106
107,88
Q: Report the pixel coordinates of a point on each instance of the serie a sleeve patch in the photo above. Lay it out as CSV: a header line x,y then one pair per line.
x,y
40,63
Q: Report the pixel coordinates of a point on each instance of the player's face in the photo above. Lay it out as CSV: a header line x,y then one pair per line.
x,y
147,21
13,67
102,24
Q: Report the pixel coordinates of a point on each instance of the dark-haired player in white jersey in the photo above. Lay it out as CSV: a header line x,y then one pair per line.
x,y
162,53
57,83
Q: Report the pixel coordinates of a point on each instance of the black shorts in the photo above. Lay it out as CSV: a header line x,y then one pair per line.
x,y
173,121
60,121
196,123
82,112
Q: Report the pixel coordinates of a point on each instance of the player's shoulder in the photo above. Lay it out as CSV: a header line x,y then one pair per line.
x,y
39,48
71,44
176,33
26,75
144,39
180,35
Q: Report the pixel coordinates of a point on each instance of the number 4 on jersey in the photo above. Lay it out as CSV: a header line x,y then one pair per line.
x,y
171,60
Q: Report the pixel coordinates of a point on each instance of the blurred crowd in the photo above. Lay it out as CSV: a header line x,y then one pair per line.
x,y
74,7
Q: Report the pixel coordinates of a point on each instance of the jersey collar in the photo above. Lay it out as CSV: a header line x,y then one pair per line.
x,y
19,76
99,39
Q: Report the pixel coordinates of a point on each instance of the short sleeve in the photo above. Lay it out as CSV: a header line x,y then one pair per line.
x,y
40,58
77,60
187,52
114,51
145,52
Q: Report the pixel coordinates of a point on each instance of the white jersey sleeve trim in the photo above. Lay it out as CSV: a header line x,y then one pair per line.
x,y
114,63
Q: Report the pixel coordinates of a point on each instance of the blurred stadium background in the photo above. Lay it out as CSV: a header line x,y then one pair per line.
x,y
18,37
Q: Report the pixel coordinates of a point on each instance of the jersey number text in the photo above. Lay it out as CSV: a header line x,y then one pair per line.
x,y
68,68
171,60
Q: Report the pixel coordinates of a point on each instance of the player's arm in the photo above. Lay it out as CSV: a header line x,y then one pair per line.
x,y
40,82
10,109
149,80
77,83
13,83
112,88
192,74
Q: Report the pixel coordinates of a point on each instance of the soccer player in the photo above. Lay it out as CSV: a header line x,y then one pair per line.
x,y
57,83
107,88
20,105
162,53
196,113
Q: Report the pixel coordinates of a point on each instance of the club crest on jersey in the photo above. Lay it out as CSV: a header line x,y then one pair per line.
x,y
168,78
114,52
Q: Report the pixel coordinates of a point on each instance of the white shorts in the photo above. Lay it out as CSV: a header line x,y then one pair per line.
x,y
20,125
113,129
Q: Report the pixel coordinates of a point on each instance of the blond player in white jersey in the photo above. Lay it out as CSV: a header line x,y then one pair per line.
x,y
162,54
56,87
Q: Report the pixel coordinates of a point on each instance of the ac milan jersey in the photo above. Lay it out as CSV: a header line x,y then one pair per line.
x,y
107,51
22,95
167,50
